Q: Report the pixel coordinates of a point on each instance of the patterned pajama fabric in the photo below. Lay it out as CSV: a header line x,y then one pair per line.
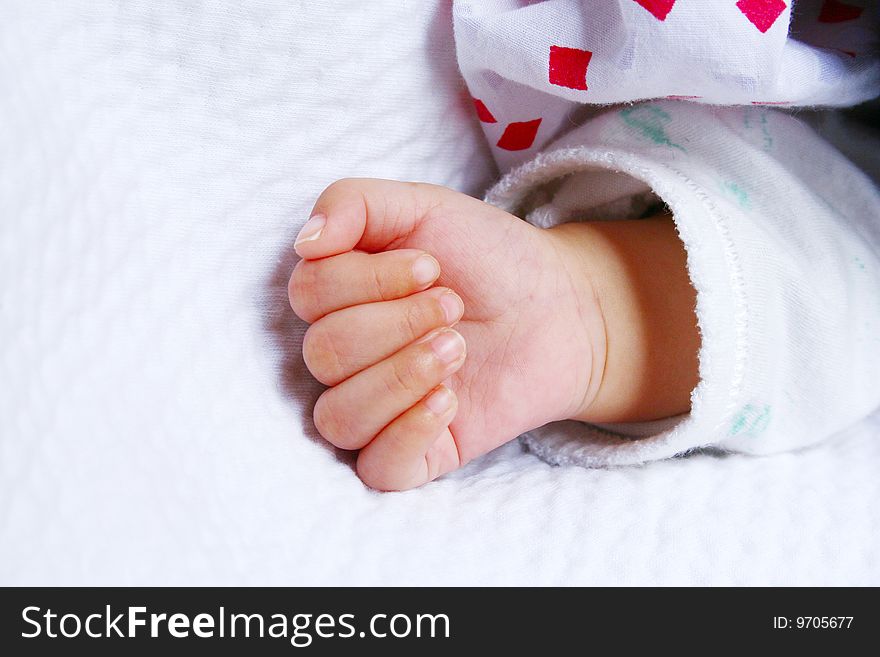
x,y
531,65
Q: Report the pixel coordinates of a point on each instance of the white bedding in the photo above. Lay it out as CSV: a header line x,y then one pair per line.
x,y
156,162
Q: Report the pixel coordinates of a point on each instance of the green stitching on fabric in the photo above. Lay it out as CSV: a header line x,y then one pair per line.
x,y
768,140
741,196
751,420
651,122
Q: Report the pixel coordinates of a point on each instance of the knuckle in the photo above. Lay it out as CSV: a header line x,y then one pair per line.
x,y
321,354
378,475
427,196
403,378
336,192
380,288
417,318
337,186
371,472
302,290
390,279
332,424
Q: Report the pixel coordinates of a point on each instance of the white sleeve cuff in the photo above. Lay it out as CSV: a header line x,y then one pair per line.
x,y
782,248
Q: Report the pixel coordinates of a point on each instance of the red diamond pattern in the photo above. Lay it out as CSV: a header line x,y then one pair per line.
x,y
660,8
762,13
568,67
519,136
483,112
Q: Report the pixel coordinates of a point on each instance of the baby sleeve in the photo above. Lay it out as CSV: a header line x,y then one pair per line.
x,y
782,234
530,65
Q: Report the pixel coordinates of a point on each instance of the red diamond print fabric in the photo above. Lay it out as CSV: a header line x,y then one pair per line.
x,y
659,8
483,112
568,67
762,13
530,65
519,136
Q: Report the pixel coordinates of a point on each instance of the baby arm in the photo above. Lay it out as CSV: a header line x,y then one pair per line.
x,y
638,272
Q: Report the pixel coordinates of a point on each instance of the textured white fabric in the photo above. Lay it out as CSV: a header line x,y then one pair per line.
x,y
156,161
784,253
531,65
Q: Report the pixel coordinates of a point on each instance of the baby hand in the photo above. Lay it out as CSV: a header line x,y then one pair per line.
x,y
380,338
402,390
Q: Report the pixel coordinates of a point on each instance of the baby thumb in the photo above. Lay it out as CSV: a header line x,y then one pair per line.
x,y
365,214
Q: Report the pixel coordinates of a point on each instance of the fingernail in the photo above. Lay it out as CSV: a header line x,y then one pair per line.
x,y
311,230
439,401
425,269
453,308
448,346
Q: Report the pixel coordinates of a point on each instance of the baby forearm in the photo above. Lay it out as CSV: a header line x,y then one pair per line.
x,y
638,272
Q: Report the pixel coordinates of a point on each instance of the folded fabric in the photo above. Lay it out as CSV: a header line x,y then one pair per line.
x,y
783,249
530,66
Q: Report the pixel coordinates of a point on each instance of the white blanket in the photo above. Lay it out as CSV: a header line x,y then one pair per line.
x,y
156,162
